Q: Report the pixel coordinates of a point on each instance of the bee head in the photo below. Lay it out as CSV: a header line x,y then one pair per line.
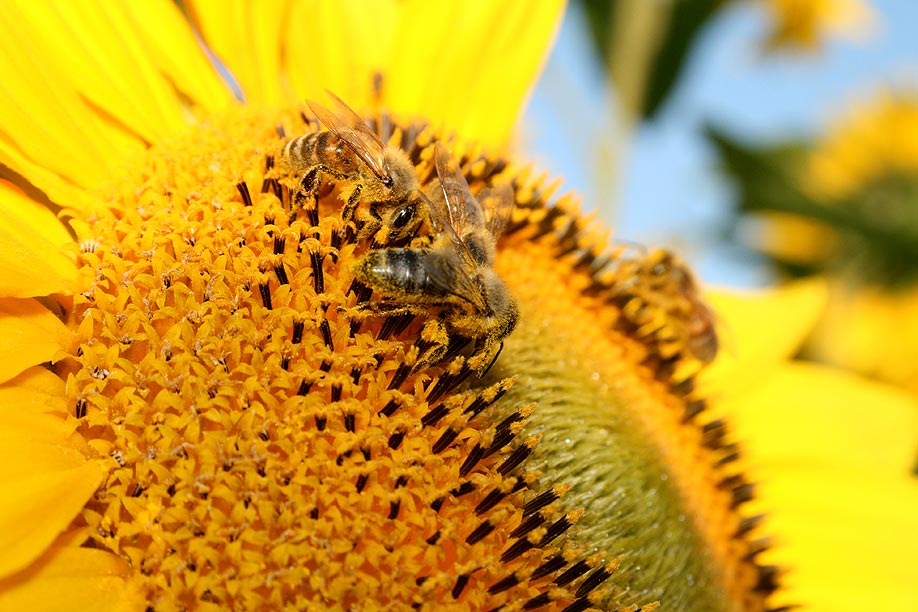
x,y
400,175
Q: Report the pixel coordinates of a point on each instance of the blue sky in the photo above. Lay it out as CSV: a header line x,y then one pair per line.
x,y
666,189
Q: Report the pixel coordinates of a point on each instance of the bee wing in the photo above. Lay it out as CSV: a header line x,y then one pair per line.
x,y
447,269
462,208
497,203
439,217
351,129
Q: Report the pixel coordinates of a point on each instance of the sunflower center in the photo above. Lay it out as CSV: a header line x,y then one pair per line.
x,y
274,442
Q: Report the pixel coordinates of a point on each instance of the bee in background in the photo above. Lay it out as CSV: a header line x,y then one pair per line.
x,y
351,153
659,298
456,270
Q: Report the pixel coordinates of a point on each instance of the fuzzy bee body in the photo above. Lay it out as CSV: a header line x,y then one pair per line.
x,y
366,170
456,270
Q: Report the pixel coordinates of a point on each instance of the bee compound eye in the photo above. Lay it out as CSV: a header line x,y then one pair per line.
x,y
403,216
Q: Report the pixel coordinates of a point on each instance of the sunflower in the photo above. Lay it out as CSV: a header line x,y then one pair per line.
x,y
805,24
865,166
204,407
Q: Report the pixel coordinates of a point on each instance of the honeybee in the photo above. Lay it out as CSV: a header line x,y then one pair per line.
x,y
351,152
660,299
456,270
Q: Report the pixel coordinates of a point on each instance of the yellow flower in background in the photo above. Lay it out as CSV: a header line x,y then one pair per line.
x,y
873,139
197,414
866,162
805,24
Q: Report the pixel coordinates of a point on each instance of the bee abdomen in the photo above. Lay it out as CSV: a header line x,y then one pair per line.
x,y
397,271
301,149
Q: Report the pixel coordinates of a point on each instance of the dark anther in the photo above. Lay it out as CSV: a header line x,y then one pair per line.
x,y
349,423
297,336
582,604
490,500
336,397
528,525
243,190
448,382
446,438
539,502
314,513
480,403
80,409
692,409
464,489
279,243
556,529
538,601
472,460
265,292
304,388
433,539
480,533
461,581
549,567
285,362
393,509
362,482
395,440
504,584
593,580
437,504
401,373
573,573
281,274
515,458
318,278
327,335
320,423
390,408
434,415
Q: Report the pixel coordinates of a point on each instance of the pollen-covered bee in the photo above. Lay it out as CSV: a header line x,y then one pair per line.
x,y
352,154
456,270
660,300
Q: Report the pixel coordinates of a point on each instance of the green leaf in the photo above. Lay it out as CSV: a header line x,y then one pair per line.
x,y
877,226
683,24
686,21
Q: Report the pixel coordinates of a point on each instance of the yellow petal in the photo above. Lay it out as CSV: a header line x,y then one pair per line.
x,y
71,578
29,334
31,256
819,416
474,65
758,330
830,454
39,502
848,538
246,37
467,66
44,120
346,69
99,50
171,45
35,390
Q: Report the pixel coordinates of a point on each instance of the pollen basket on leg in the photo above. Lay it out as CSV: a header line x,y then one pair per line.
x,y
273,441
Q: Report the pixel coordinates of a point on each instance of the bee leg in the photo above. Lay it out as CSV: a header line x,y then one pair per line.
x,y
432,343
483,360
347,213
309,190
